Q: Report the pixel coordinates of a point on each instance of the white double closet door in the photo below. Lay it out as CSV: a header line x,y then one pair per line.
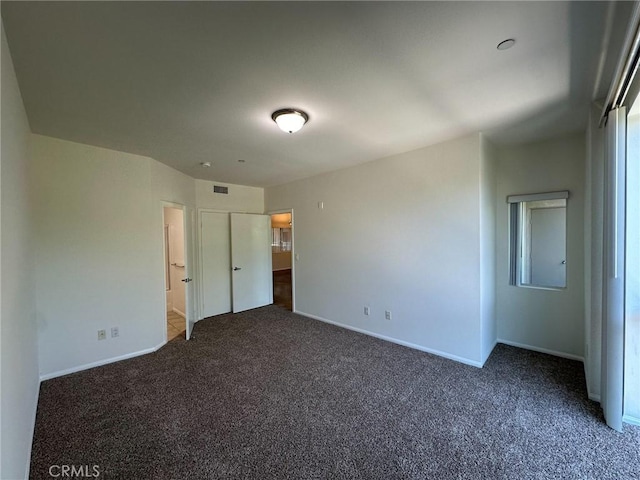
x,y
235,254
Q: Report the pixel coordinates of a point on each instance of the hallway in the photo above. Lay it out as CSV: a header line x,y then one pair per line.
x,y
282,291
175,326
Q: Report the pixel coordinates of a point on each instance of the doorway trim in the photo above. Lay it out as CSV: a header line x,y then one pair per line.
x,y
187,258
293,253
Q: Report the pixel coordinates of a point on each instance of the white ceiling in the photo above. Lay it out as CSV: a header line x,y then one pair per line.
x,y
187,82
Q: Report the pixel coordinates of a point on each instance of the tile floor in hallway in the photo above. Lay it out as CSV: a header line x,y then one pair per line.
x,y
175,326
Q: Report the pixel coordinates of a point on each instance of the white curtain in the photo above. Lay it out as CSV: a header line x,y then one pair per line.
x,y
613,267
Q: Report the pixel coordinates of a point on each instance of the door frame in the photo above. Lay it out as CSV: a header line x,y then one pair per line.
x,y
188,260
293,254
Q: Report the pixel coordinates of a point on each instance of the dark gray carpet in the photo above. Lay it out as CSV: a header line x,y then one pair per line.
x,y
269,394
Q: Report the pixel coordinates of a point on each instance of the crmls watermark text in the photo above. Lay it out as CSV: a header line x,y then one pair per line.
x,y
74,471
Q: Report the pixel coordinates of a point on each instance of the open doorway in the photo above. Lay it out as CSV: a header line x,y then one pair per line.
x,y
281,259
174,257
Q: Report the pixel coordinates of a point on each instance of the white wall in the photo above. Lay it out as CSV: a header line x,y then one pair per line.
x,y
594,222
240,199
169,185
399,234
18,336
489,325
545,320
99,251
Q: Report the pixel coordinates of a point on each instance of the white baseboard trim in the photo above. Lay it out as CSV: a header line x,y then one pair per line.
x,y
99,363
555,353
631,420
594,396
182,314
484,360
33,430
439,353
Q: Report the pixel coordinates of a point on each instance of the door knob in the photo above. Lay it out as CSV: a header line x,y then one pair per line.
x,y
563,262
186,280
236,269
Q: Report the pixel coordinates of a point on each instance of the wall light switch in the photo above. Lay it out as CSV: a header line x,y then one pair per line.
x,y
366,310
387,315
102,334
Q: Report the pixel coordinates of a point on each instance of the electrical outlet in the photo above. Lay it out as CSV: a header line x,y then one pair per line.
x,y
115,332
387,315
366,310
102,334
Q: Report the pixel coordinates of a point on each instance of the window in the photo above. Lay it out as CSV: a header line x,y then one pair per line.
x,y
632,268
538,240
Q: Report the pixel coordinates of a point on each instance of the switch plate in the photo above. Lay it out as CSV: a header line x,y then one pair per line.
x,y
102,334
115,332
366,310
387,314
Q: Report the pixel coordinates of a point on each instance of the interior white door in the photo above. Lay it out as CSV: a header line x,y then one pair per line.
x,y
189,293
252,278
215,255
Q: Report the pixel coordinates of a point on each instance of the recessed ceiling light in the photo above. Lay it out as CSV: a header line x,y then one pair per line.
x,y
205,164
290,120
506,44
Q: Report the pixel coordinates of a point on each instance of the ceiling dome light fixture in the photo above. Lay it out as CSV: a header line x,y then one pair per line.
x,y
290,120
506,44
205,164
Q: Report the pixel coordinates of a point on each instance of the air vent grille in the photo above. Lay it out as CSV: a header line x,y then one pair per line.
x,y
220,189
